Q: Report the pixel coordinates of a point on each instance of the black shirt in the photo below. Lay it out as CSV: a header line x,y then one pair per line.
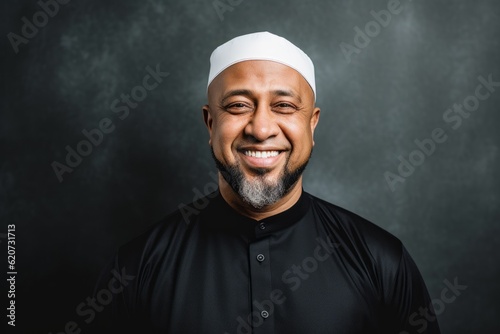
x,y
315,268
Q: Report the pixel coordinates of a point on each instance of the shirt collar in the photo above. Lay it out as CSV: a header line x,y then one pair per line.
x,y
220,215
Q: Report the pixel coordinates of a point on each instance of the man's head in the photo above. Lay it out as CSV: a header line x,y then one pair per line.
x,y
261,117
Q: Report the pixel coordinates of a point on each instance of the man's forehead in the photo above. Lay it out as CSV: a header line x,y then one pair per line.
x,y
261,46
260,76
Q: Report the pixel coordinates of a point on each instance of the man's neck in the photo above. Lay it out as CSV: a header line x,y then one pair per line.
x,y
235,201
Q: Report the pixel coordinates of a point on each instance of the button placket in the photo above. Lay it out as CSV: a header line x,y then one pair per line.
x,y
261,286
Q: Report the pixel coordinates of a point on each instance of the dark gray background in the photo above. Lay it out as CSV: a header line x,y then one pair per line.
x,y
393,92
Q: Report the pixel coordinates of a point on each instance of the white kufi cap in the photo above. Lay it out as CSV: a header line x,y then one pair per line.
x,y
261,46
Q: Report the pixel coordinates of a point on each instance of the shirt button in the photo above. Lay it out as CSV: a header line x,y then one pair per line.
x,y
261,257
262,226
264,314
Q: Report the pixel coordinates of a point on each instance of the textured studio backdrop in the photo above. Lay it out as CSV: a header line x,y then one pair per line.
x,y
102,134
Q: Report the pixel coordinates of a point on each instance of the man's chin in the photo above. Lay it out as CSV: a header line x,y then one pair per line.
x,y
259,187
265,181
260,173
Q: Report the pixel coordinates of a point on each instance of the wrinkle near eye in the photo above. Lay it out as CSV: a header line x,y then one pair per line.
x,y
237,108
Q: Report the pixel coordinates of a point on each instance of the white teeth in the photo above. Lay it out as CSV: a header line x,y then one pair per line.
x,y
262,154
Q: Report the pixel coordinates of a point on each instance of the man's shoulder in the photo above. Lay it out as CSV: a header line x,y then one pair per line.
x,y
356,230
167,231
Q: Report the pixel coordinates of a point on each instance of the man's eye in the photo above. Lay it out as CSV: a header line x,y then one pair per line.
x,y
284,107
238,107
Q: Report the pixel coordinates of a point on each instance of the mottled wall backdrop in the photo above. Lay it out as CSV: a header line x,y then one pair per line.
x,y
102,134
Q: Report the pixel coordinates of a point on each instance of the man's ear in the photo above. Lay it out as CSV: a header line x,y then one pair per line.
x,y
314,121
207,118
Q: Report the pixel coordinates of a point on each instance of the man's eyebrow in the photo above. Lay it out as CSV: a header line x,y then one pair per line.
x,y
247,92
236,92
284,92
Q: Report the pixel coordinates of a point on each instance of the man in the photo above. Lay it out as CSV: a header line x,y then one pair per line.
x,y
263,256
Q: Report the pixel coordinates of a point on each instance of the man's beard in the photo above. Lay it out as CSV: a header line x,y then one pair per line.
x,y
259,192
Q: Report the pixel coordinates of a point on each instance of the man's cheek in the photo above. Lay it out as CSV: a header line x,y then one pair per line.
x,y
298,158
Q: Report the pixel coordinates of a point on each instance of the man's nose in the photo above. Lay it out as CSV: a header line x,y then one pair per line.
x,y
263,124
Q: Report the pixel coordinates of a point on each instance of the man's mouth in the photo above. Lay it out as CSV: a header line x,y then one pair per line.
x,y
261,154
263,158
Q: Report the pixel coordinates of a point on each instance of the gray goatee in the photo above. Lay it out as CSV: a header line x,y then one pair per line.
x,y
259,192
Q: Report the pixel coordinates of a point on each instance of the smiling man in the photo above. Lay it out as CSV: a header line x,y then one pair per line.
x,y
264,256
261,119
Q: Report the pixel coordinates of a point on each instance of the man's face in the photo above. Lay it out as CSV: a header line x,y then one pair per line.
x,y
261,119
